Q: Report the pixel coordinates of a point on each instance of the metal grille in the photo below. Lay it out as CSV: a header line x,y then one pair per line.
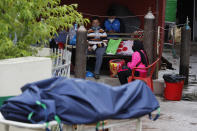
x,y
61,59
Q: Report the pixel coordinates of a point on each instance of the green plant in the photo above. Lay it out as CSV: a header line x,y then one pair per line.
x,y
32,21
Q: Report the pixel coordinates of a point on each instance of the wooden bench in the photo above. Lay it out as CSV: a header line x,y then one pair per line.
x,y
123,36
107,57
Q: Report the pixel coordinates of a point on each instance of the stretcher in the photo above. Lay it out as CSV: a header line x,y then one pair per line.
x,y
109,124
78,101
7,125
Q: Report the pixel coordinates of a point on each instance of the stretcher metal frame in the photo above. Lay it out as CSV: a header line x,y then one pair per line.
x,y
110,126
9,125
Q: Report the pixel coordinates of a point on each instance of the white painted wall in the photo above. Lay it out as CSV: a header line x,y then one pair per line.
x,y
14,73
43,52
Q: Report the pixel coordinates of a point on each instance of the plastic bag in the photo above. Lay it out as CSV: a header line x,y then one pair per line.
x,y
115,65
112,46
73,40
173,78
125,48
73,35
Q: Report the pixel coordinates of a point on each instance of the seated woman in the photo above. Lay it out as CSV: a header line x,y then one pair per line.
x,y
139,59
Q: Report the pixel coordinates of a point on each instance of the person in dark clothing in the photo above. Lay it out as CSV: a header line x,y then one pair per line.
x,y
113,24
53,45
139,59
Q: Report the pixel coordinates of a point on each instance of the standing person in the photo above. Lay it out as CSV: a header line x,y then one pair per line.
x,y
97,39
139,59
60,39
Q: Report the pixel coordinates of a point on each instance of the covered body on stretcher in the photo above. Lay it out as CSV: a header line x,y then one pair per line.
x,y
80,102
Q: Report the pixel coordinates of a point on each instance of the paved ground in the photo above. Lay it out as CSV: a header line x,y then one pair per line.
x,y
175,115
190,91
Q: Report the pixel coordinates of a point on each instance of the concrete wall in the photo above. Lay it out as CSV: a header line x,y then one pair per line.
x,y
159,87
44,52
138,7
14,73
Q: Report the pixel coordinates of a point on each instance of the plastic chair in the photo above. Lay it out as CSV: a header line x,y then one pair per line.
x,y
148,79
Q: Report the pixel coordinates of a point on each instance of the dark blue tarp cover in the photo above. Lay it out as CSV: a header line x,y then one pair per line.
x,y
78,101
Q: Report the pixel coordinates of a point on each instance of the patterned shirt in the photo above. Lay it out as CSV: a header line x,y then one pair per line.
x,y
97,38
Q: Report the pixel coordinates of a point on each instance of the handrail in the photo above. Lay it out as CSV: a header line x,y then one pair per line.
x,y
121,34
123,38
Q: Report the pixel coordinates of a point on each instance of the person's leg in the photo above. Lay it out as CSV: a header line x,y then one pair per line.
x,y
137,73
89,66
99,59
123,75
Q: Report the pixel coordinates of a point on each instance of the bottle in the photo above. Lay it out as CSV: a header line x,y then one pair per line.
x,y
72,34
75,27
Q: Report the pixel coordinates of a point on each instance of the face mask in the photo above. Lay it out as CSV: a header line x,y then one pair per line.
x,y
96,28
111,20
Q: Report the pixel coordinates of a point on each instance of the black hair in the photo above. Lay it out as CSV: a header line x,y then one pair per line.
x,y
138,46
111,12
95,18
